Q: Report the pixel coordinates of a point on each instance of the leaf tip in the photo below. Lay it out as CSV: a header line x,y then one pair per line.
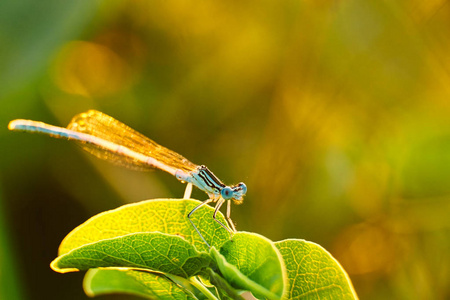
x,y
54,266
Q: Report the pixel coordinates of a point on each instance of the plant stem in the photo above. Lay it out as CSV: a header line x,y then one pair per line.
x,y
195,282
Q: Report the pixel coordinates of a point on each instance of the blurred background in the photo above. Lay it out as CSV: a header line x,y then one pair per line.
x,y
336,114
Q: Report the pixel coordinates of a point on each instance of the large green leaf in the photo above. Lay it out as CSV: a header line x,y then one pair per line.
x,y
251,262
163,215
144,284
154,251
313,273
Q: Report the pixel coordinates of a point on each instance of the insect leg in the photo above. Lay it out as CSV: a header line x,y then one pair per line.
x,y
188,191
230,222
216,209
195,227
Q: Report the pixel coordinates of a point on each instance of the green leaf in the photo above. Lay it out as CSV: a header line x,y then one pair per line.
x,y
154,251
144,284
313,273
251,262
163,215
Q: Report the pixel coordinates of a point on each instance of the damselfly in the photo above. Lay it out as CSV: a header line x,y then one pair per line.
x,y
109,139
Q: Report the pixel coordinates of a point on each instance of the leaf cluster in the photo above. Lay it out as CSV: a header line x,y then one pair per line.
x,y
151,250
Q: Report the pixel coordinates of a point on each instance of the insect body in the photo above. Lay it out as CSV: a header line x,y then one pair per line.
x,y
109,139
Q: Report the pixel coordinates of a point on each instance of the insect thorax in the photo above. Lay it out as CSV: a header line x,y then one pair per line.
x,y
205,180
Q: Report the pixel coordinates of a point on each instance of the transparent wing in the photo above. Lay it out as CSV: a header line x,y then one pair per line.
x,y
107,128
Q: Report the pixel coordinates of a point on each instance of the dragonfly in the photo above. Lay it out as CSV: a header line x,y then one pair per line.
x,y
112,140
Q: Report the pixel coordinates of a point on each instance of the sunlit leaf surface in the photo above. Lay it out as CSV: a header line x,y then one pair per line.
x,y
144,284
313,273
164,215
155,251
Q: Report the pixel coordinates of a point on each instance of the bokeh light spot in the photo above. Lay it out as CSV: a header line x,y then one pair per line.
x,y
366,248
89,69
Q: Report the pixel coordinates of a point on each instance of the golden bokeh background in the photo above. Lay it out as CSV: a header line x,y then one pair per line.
x,y
336,114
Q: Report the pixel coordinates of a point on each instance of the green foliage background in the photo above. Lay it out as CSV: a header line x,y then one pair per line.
x,y
336,114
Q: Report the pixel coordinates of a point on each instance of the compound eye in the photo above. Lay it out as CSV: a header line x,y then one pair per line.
x,y
243,187
227,193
